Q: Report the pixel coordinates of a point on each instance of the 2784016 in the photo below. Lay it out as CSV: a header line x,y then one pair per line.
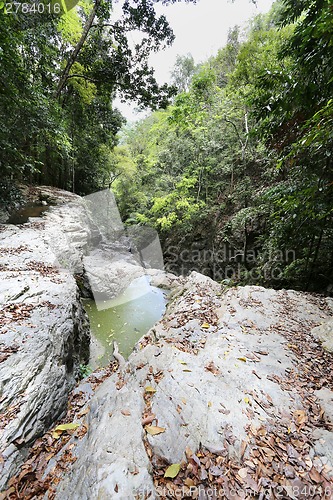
x,y
32,8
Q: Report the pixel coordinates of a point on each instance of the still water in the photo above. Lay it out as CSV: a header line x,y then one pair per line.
x,y
22,215
124,319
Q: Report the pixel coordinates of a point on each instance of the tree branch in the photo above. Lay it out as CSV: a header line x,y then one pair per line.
x,y
81,76
75,53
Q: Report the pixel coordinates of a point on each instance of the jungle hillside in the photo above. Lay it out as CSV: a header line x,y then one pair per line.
x,y
233,165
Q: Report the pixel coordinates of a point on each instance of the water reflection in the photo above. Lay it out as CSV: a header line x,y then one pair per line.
x,y
124,319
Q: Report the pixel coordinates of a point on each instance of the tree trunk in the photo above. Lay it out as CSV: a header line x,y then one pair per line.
x,y
315,258
75,53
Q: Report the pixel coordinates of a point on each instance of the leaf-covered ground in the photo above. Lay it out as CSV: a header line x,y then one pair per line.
x,y
278,455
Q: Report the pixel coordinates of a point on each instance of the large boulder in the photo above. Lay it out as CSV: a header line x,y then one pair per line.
x,y
44,331
221,372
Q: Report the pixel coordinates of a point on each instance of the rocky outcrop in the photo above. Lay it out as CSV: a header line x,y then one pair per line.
x,y
218,373
45,265
233,386
324,333
44,331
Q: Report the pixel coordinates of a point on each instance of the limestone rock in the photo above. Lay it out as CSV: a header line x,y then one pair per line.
x,y
212,357
324,333
44,331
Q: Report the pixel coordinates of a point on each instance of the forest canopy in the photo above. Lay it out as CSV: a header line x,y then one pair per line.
x,y
242,159
59,78
236,156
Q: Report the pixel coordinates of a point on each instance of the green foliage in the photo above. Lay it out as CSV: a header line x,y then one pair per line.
x,y
59,77
243,156
84,371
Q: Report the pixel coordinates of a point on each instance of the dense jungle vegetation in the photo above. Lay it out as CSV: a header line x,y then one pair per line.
x,y
234,166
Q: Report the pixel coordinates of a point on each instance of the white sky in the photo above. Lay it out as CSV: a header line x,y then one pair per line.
x,y
200,30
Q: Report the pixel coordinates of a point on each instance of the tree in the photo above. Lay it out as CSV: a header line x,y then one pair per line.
x,y
59,77
183,71
295,111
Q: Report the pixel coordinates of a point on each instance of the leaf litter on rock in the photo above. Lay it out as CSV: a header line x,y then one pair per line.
x,y
30,483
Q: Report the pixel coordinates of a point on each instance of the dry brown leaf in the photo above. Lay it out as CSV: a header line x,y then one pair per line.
x,y
153,430
189,482
212,368
300,417
148,420
315,476
242,472
126,412
243,448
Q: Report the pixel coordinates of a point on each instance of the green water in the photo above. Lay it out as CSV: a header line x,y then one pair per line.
x,y
124,319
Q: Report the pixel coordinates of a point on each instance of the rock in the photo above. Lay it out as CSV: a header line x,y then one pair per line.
x,y
323,444
44,329
44,332
110,272
214,370
3,215
324,333
325,397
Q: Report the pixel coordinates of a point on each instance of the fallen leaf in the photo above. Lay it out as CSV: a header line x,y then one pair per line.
x,y
187,370
256,374
189,482
126,413
224,411
205,325
300,417
212,368
83,412
242,472
172,471
66,427
243,448
56,433
289,471
315,476
148,420
150,389
242,358
154,430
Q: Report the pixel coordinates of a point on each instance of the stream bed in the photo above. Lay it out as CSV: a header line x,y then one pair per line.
x,y
124,319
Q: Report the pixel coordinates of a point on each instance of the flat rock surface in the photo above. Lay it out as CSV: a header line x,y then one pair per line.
x,y
229,388
44,332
